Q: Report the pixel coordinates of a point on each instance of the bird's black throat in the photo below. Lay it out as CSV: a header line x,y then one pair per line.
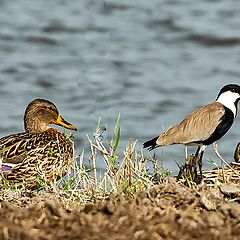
x,y
224,125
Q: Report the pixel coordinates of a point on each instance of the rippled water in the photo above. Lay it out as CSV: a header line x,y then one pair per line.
x,y
152,61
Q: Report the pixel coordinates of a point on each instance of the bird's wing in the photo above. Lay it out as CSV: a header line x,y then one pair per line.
x,y
46,162
13,148
196,127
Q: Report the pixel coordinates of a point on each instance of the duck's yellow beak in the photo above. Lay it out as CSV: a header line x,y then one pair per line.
x,y
61,122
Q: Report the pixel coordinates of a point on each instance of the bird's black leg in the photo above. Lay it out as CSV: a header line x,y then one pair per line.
x,y
196,160
200,164
199,156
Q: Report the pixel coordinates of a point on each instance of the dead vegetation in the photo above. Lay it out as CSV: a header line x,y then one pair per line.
x,y
134,199
166,211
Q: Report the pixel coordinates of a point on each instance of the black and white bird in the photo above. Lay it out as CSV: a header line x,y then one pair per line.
x,y
203,126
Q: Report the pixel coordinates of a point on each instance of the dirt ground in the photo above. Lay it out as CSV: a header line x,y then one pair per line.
x,y
167,211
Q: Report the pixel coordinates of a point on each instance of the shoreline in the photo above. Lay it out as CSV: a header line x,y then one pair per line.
x,y
168,210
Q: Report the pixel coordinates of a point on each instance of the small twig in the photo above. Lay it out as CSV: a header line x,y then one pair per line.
x,y
215,147
94,162
101,150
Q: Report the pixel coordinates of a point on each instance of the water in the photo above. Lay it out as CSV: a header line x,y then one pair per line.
x,y
151,61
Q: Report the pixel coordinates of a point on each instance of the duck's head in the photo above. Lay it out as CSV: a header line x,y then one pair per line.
x,y
40,113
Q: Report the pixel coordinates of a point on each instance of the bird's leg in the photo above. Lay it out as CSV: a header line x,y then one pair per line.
x,y
186,153
202,148
200,164
199,156
196,161
186,165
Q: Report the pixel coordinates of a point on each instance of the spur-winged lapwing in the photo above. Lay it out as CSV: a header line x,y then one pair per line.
x,y
203,126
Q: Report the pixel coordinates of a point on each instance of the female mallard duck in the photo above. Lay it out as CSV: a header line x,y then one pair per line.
x,y
42,153
230,173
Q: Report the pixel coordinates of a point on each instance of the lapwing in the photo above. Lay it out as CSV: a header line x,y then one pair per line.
x,y
203,126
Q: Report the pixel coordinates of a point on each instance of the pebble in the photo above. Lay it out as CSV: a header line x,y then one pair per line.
x,y
207,203
215,220
231,209
229,189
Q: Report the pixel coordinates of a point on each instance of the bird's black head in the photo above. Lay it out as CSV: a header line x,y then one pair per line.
x,y
234,88
229,96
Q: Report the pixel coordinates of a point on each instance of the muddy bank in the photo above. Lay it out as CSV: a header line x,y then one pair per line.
x,y
167,211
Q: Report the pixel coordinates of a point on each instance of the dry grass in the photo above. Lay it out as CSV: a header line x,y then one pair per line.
x,y
126,175
126,172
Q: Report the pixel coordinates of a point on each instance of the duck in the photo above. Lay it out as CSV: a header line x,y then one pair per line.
x,y
41,154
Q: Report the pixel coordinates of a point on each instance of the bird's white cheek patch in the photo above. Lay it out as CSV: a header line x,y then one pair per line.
x,y
228,99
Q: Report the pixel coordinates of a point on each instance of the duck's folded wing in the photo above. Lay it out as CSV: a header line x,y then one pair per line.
x,y
13,148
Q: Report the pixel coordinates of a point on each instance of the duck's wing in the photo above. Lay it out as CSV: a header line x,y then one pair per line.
x,y
49,161
13,148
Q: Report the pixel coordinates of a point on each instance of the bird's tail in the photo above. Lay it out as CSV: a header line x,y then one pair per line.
x,y
151,144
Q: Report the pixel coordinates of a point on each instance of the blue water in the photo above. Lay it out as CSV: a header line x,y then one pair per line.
x,y
151,61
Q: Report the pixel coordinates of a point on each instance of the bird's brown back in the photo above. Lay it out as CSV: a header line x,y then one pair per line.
x,y
197,126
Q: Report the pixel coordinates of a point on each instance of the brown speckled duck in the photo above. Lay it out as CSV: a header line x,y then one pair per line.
x,y
42,153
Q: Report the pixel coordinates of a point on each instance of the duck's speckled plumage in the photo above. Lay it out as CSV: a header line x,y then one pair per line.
x,y
43,154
